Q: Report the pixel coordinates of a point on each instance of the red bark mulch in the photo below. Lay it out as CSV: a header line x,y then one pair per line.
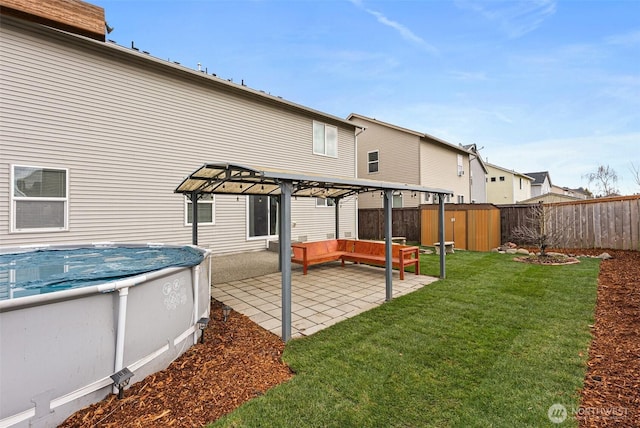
x,y
239,361
611,393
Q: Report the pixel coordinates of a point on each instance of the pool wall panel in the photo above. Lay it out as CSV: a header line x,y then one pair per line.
x,y
56,358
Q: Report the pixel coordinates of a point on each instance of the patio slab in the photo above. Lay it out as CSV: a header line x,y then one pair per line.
x,y
329,294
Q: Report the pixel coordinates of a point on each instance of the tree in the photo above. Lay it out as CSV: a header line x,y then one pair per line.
x,y
635,173
544,227
605,179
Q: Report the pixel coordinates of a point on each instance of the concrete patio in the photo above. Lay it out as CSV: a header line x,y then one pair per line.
x,y
328,294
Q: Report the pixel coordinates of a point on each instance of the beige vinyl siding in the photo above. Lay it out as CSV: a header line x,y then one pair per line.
x,y
507,191
439,168
397,161
478,183
521,194
114,120
499,192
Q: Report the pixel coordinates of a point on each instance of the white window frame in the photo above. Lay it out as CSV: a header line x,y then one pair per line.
x,y
327,149
325,203
461,199
15,199
211,202
397,197
460,166
376,162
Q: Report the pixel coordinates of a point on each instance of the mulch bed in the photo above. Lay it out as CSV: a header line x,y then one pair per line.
x,y
611,393
240,361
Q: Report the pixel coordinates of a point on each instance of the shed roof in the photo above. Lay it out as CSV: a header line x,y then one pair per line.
x,y
234,179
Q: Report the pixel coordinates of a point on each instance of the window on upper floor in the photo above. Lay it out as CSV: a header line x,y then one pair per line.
x,y
205,210
325,139
493,179
502,178
521,184
373,161
460,166
39,199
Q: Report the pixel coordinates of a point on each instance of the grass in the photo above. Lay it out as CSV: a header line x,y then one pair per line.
x,y
493,345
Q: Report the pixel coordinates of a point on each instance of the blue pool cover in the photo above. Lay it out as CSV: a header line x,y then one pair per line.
x,y
51,269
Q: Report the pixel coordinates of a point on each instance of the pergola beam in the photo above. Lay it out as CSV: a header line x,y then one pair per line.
x,y
211,179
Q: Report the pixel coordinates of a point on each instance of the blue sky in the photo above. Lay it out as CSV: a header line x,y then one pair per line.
x,y
542,85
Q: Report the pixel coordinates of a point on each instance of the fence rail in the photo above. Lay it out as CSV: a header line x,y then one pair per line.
x,y
593,223
405,222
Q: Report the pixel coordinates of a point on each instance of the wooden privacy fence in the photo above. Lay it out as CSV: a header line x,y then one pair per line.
x,y
593,223
405,222
473,227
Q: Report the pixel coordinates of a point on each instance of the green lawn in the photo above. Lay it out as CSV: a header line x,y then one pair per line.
x,y
493,345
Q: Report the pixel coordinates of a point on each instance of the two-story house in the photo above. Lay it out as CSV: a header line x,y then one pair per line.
x,y
506,186
541,184
85,124
477,175
388,152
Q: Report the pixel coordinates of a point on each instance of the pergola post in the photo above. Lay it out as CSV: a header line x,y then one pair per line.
x,y
441,228
336,201
388,203
194,221
285,257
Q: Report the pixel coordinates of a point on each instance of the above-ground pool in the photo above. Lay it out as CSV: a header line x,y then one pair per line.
x,y
73,315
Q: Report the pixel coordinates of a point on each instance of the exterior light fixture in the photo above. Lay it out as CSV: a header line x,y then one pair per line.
x,y
202,324
121,380
226,310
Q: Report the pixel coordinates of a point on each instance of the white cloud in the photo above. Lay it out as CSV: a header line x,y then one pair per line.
x,y
515,17
468,75
403,30
628,39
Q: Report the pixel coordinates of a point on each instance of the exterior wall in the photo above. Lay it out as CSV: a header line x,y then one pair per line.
x,y
507,191
521,188
478,182
398,159
407,156
541,189
114,117
439,168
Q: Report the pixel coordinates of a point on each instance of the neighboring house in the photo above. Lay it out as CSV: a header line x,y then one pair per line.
x,y
578,193
477,176
507,186
549,198
388,152
541,184
85,124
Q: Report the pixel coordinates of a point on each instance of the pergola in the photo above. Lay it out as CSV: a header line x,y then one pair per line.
x,y
234,179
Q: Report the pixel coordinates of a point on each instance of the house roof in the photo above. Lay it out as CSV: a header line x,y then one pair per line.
x,y
473,149
510,171
422,135
538,177
137,56
234,179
